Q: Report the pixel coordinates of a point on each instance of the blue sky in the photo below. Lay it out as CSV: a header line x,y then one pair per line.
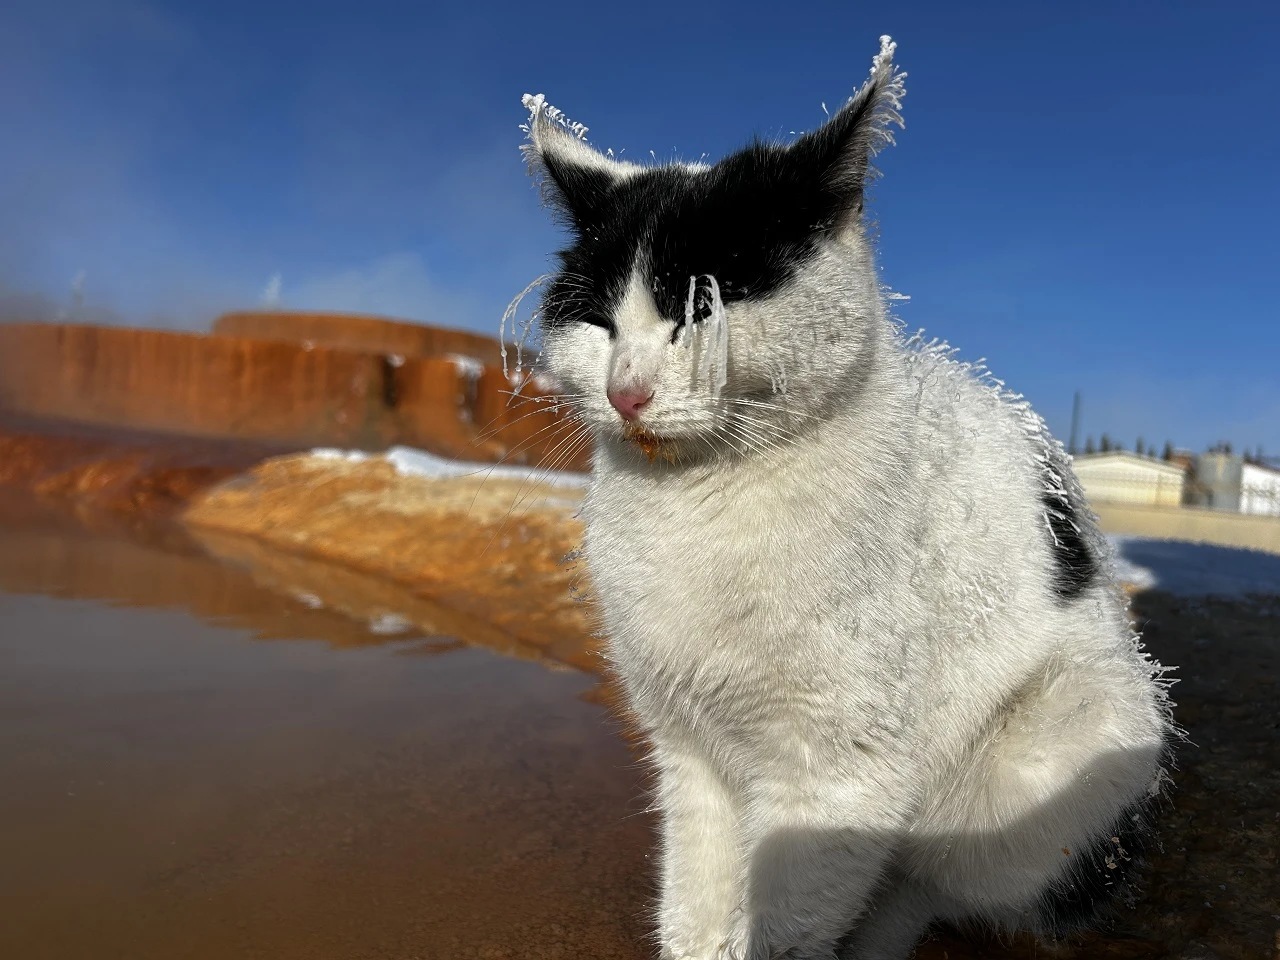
x,y
1086,195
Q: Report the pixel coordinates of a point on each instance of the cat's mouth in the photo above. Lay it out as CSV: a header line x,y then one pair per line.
x,y
650,444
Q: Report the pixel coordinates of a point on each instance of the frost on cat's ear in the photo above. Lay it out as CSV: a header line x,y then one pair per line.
x,y
839,152
573,174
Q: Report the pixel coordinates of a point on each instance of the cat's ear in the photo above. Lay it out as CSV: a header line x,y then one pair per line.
x,y
838,154
574,176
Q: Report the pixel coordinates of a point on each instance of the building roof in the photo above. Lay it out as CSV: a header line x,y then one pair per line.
x,y
1128,459
1248,464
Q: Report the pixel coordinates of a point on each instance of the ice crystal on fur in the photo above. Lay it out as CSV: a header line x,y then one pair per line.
x,y
711,356
849,582
688,313
717,341
521,334
537,103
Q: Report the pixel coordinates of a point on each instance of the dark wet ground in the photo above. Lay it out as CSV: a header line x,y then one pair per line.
x,y
205,759
174,785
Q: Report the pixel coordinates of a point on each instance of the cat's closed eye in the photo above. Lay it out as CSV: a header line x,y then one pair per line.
x,y
595,320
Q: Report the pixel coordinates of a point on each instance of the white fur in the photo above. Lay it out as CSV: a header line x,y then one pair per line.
x,y
833,614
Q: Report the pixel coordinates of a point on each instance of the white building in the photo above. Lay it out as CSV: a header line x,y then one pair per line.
x,y
1259,489
1122,477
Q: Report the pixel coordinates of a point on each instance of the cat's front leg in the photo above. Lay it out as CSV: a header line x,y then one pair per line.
x,y
820,850
700,857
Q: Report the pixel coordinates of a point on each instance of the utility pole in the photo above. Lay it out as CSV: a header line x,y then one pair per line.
x,y
1075,425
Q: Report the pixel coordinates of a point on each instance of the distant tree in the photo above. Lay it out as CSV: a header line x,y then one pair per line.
x,y
1168,450
1088,444
1226,448
1105,443
1140,448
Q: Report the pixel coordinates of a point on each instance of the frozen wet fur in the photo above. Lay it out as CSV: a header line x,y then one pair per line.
x,y
849,583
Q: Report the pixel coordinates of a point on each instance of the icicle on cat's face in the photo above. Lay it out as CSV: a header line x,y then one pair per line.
x,y
705,308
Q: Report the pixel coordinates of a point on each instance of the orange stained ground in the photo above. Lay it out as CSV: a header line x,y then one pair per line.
x,y
182,779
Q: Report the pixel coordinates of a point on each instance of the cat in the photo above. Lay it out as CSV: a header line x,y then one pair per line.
x,y
849,584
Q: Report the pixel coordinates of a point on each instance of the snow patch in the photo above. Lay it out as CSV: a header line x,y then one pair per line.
x,y
468,367
411,462
333,453
390,624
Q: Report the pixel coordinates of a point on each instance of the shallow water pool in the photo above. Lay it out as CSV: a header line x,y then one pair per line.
x,y
194,766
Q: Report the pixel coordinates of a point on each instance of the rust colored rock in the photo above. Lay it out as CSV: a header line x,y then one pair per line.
x,y
525,427
362,334
118,471
432,400
190,384
288,392
492,550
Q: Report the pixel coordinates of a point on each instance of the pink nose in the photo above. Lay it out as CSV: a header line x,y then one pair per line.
x,y
629,403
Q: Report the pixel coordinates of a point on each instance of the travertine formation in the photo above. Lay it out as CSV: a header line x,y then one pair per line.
x,y
485,558
300,380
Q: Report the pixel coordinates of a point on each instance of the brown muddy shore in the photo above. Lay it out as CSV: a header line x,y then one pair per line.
x,y
338,712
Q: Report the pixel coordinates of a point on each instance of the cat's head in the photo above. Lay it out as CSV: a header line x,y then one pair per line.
x,y
708,308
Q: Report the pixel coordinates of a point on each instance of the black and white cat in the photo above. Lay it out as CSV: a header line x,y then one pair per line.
x,y
850,584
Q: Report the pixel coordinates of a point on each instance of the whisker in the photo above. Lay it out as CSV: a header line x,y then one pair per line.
x,y
510,315
571,445
532,438
502,461
490,434
764,405
761,443
535,475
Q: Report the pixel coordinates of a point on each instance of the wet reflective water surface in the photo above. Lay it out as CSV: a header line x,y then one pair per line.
x,y
196,766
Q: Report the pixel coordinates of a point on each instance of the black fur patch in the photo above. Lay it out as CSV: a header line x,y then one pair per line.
x,y
1098,875
1075,566
751,221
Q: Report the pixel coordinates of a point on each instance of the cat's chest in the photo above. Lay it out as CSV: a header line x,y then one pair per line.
x,y
761,615
711,576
